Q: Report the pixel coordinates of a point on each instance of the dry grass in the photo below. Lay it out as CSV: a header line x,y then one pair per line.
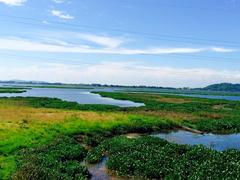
x,y
173,115
174,100
16,119
15,115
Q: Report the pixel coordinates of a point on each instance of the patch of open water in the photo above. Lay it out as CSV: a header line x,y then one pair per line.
x,y
214,141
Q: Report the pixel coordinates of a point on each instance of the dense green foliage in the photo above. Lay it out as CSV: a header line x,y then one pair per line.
x,y
155,158
59,160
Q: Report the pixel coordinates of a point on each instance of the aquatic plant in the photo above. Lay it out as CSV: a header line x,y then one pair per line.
x,y
154,158
59,160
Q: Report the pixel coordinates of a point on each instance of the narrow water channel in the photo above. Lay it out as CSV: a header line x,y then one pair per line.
x,y
99,171
213,141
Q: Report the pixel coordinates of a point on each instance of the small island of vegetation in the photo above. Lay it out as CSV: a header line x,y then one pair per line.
x,y
12,90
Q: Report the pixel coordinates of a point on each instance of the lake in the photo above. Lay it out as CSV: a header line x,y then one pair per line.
x,y
82,96
214,141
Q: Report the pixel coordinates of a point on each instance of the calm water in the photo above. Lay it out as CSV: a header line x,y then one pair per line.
x,y
232,98
217,142
99,171
82,96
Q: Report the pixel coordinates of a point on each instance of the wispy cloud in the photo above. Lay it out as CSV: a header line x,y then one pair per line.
x,y
220,49
61,14
59,1
119,73
108,45
101,40
13,2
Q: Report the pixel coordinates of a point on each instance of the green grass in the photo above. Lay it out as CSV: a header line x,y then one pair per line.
x,y
154,158
11,90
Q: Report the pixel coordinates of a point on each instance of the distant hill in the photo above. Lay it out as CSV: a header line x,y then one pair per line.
x,y
223,87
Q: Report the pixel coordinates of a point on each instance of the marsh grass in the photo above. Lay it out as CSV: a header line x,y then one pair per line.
x,y
33,122
209,115
11,90
23,126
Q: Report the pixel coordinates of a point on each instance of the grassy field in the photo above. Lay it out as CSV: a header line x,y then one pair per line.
x,y
33,123
208,115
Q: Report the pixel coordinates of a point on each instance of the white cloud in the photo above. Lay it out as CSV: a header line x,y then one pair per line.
x,y
220,49
59,1
110,46
101,40
13,2
119,73
61,14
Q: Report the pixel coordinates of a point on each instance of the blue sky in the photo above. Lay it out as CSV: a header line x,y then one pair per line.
x,y
130,42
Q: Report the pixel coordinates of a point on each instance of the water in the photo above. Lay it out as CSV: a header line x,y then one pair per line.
x,y
231,98
217,142
99,171
82,96
225,97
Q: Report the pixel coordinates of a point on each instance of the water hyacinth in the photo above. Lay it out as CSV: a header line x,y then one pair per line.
x,y
58,160
155,158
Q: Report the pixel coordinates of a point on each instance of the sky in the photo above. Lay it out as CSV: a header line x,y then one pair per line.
x,y
177,43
